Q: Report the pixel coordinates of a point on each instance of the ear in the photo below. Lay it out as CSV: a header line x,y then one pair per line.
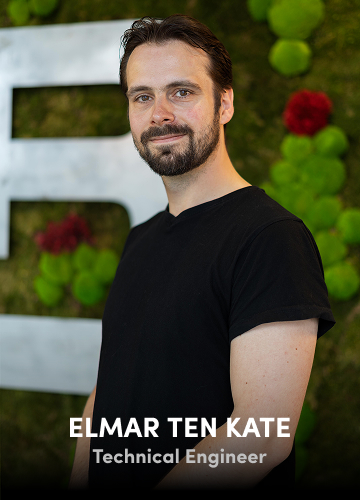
x,y
227,106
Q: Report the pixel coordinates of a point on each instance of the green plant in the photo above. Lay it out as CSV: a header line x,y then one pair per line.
x,y
295,198
49,293
325,176
84,257
18,11
348,224
105,266
68,257
258,9
295,19
331,141
307,181
324,212
283,172
290,57
56,268
292,22
331,248
305,428
296,148
87,289
43,7
342,280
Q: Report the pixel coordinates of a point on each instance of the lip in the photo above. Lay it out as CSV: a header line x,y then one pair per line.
x,y
166,138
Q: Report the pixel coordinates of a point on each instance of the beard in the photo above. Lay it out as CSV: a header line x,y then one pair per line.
x,y
176,159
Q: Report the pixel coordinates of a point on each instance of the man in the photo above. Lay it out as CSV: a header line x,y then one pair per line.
x,y
217,302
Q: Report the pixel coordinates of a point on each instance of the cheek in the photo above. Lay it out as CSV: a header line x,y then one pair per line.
x,y
135,125
197,116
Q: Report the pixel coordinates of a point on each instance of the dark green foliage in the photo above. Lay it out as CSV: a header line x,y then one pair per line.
x,y
331,248
105,265
296,148
348,225
342,280
324,212
87,288
43,7
290,57
49,293
283,172
306,424
84,257
331,141
258,9
325,176
56,268
295,19
18,11
295,198
305,428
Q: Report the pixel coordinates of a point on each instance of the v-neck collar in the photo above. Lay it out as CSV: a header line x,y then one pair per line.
x,y
189,212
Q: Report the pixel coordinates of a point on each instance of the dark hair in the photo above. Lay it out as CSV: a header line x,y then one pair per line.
x,y
185,29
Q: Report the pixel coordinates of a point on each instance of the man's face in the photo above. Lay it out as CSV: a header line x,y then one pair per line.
x,y
171,107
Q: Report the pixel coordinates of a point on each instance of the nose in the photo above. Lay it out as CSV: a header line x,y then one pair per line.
x,y
162,111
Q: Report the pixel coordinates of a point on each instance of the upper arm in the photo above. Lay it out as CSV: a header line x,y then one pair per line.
x,y
270,367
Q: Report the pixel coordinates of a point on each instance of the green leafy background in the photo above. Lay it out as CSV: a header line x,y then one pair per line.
x,y
36,448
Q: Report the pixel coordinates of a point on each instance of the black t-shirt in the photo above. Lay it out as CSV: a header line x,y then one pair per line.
x,y
185,287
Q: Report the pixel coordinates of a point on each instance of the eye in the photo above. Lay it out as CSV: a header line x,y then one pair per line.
x,y
142,98
183,93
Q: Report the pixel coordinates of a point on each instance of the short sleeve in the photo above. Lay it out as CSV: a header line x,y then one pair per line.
x,y
279,277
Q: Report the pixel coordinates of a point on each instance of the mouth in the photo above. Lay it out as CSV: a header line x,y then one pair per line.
x,y
166,138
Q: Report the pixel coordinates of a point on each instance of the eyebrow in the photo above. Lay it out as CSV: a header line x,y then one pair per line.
x,y
178,83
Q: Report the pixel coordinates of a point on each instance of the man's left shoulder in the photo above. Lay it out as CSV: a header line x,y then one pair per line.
x,y
255,210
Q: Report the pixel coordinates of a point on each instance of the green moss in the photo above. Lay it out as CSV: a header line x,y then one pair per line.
x,y
18,11
296,148
348,225
258,9
306,424
342,281
105,265
331,248
283,173
56,268
84,257
324,212
295,198
43,7
331,141
87,289
49,293
295,19
290,57
325,176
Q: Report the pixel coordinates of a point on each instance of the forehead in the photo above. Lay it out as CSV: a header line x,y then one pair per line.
x,y
151,64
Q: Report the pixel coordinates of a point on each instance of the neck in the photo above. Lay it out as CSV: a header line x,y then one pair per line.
x,y
215,178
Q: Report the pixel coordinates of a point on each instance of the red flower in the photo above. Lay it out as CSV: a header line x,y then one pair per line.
x,y
65,235
307,112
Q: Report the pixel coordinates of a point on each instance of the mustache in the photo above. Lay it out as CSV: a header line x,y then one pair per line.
x,y
164,130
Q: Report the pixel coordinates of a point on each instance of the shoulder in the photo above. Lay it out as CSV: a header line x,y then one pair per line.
x,y
256,211
251,215
141,229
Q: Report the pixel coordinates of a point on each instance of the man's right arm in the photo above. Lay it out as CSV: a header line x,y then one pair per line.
x,y
79,474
